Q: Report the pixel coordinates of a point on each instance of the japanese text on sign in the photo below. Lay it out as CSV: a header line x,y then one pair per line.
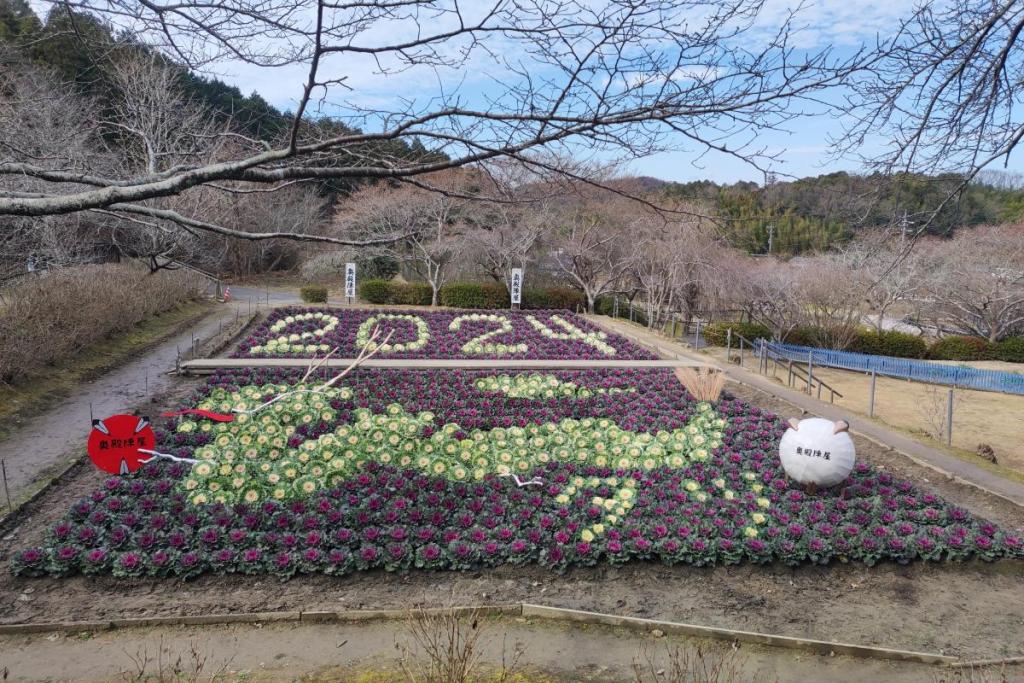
x,y
350,280
516,289
812,453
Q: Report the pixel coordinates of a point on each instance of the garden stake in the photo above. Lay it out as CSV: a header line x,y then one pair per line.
x,y
871,396
949,419
7,491
810,371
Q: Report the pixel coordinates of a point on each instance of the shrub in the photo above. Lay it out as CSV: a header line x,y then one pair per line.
x,y
47,319
377,268
803,336
411,293
718,333
313,294
375,291
1010,350
838,337
553,297
889,343
961,348
474,295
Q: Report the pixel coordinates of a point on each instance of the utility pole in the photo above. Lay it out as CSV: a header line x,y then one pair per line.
x,y
904,224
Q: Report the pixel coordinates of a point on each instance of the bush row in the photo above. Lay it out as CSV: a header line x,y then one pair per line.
x,y
1010,350
49,318
885,343
718,333
467,295
400,293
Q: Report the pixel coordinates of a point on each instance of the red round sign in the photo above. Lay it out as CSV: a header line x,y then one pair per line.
x,y
114,443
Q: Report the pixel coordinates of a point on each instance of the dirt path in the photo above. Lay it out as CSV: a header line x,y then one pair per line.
x,y
55,437
336,652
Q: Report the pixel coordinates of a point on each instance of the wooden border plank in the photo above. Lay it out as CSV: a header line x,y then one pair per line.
x,y
202,366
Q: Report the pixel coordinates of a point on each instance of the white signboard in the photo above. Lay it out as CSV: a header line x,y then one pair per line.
x,y
516,290
350,280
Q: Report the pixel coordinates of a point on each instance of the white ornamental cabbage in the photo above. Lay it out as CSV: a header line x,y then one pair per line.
x,y
817,452
286,343
366,330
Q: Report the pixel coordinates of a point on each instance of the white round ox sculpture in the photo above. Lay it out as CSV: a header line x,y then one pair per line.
x,y
817,452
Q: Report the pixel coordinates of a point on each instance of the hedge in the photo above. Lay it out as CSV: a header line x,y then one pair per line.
x,y
313,294
411,293
960,348
718,333
553,297
375,291
889,343
399,293
86,305
1010,350
474,295
487,295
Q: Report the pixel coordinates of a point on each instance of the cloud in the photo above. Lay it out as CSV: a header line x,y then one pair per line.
x,y
839,23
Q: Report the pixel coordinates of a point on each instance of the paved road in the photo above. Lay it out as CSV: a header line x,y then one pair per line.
x,y
915,450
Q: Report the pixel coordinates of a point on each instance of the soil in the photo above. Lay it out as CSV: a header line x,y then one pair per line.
x,y
971,610
367,652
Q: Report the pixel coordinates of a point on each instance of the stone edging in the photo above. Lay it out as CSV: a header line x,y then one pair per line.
x,y
527,610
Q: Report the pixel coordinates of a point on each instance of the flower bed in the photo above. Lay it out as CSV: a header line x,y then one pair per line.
x,y
304,332
641,474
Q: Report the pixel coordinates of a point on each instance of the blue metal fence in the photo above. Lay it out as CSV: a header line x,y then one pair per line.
x,y
905,368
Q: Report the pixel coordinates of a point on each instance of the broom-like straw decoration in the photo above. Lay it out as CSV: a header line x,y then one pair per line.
x,y
704,384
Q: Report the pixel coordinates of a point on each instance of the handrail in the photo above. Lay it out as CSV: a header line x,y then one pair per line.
x,y
766,352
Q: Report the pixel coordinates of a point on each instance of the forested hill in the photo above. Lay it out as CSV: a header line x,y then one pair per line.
x,y
73,44
815,213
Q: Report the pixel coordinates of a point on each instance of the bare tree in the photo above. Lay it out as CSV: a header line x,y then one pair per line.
x,y
763,287
159,126
590,244
975,281
613,76
433,224
505,238
943,92
872,258
670,260
828,292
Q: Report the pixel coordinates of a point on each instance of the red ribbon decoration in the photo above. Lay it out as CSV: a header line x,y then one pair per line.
x,y
208,414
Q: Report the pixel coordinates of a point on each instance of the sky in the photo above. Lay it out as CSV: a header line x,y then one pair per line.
x,y
802,145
